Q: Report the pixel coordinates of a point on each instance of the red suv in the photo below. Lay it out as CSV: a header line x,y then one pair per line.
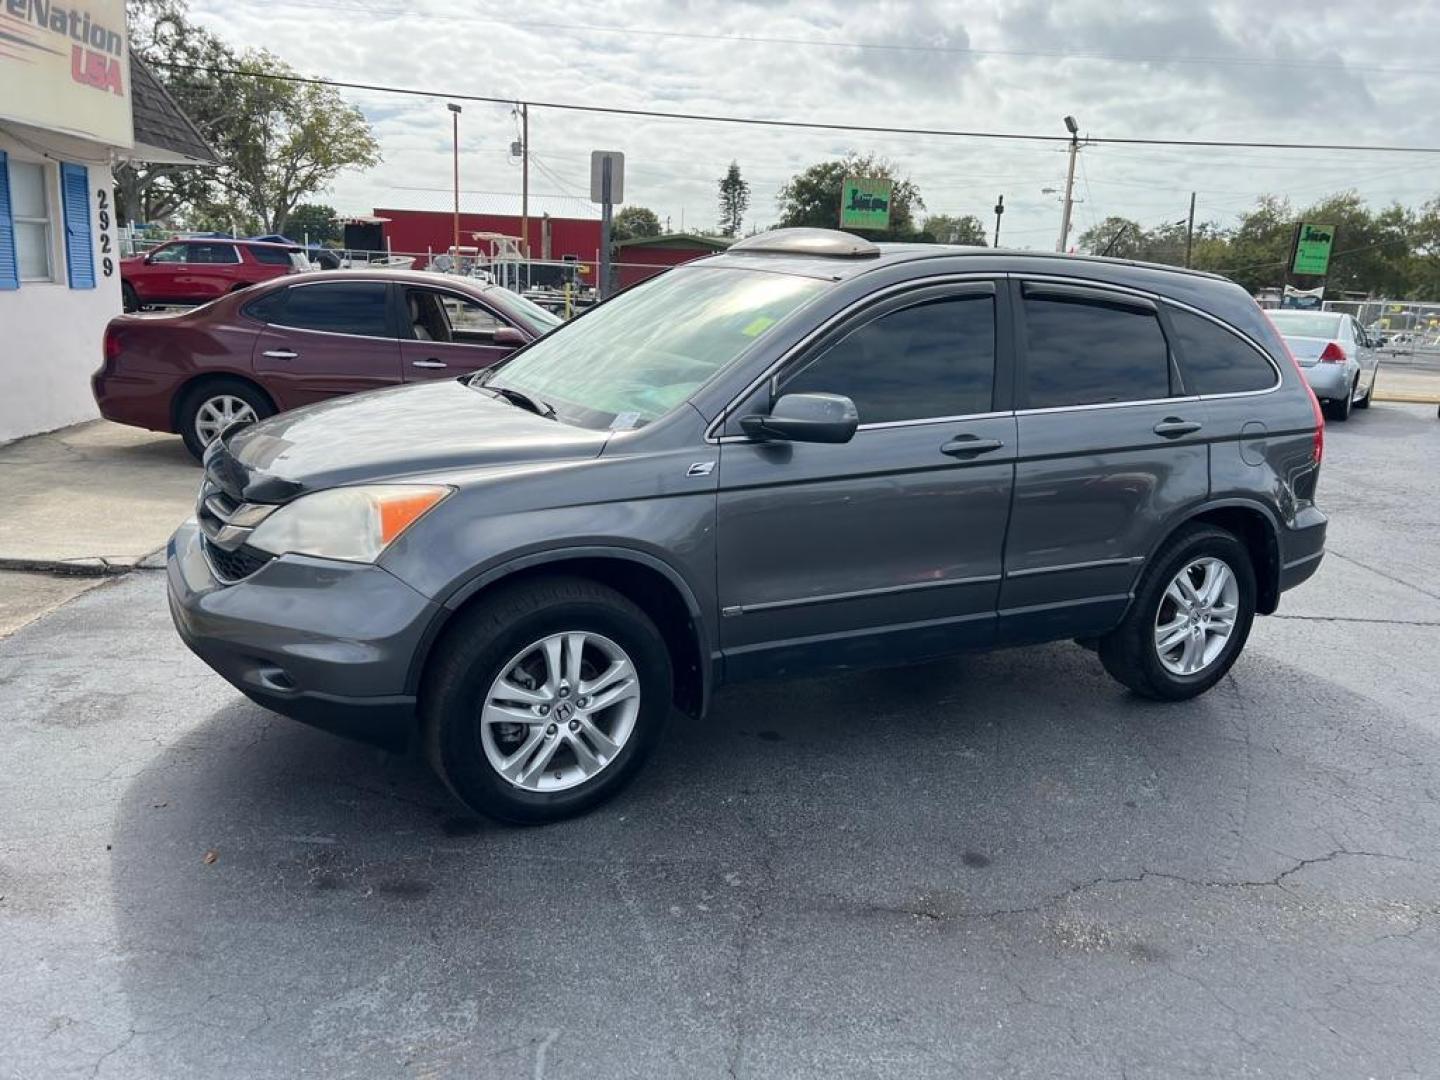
x,y
195,271
300,340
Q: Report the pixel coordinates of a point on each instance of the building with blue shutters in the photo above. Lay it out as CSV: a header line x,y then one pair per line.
x,y
73,104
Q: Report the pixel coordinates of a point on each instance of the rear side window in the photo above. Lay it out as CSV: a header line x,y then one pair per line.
x,y
1214,360
342,307
214,254
270,256
1088,352
930,360
267,309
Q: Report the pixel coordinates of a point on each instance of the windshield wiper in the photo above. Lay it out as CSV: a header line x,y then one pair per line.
x,y
524,400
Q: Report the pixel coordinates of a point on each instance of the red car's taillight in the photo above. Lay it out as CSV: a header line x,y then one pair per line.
x,y
113,344
1332,353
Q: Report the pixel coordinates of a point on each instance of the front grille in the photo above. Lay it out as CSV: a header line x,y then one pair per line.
x,y
231,566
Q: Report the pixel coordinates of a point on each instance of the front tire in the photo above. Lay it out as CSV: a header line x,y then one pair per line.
x,y
545,699
1189,620
129,298
1364,402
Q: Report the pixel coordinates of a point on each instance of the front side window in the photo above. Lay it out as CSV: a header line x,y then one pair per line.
x,y
636,357
933,359
1089,352
342,307
30,209
444,316
173,253
1215,361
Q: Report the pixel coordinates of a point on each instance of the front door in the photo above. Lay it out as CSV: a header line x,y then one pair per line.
x,y
1111,446
889,546
325,339
447,335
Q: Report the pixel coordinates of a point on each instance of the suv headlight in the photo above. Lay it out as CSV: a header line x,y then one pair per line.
x,y
351,523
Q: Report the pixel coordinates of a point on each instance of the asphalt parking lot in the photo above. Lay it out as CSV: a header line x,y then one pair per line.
x,y
1001,865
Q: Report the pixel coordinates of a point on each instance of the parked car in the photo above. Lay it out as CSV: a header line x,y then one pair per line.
x,y
300,340
1339,357
199,270
808,453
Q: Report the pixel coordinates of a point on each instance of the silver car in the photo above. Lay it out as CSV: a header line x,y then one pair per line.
x,y
1339,357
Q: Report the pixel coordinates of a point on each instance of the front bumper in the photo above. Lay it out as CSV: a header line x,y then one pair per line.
x,y
328,643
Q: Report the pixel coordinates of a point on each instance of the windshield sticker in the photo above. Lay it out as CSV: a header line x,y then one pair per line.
x,y
758,326
624,421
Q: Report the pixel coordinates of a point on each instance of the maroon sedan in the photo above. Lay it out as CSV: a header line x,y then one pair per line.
x,y
302,339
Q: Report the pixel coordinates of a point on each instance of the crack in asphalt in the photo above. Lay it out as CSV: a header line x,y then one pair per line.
x,y
1358,619
1389,577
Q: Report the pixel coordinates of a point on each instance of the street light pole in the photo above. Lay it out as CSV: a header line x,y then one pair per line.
x,y
525,182
1074,130
999,210
455,142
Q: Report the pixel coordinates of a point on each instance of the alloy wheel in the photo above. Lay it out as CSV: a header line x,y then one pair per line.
x,y
560,711
218,413
1196,616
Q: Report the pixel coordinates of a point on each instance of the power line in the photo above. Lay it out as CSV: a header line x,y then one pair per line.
x,y
720,118
874,46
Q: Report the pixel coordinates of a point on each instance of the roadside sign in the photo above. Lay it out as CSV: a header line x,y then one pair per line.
x,y
865,203
1312,248
597,176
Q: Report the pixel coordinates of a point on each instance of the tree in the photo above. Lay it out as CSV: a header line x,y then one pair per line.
x,y
1117,236
812,198
633,222
315,221
946,229
277,140
285,140
734,200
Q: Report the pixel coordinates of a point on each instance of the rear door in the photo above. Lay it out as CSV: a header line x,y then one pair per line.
x,y
887,547
1110,447
446,334
209,270
327,338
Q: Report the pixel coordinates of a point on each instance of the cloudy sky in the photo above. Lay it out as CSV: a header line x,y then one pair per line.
x,y
1318,72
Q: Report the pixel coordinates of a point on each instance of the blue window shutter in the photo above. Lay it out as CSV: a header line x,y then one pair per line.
x,y
9,264
79,244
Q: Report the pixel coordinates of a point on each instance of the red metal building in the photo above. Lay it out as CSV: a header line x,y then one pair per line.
x,y
558,226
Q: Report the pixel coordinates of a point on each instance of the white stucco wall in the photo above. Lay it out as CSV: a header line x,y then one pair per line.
x,y
51,336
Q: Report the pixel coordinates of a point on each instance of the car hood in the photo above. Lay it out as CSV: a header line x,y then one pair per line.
x,y
389,433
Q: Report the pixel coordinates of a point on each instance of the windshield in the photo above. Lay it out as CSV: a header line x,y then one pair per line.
x,y
530,313
1305,324
636,357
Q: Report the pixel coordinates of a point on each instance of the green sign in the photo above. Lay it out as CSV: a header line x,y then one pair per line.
x,y
865,203
1312,248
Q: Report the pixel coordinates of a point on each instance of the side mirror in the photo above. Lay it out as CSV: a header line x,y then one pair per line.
x,y
817,418
509,337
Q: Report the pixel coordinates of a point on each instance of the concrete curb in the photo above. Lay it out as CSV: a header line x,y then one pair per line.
x,y
96,566
1408,399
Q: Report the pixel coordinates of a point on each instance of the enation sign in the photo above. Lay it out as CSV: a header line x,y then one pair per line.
x,y
865,203
1312,248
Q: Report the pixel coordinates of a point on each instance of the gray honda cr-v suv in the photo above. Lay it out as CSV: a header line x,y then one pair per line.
x,y
807,453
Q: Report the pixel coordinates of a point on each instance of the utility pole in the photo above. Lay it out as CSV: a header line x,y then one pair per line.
x,y
999,210
455,116
607,188
525,182
1074,130
1190,231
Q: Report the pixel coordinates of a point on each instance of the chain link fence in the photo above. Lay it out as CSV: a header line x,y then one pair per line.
x,y
1408,328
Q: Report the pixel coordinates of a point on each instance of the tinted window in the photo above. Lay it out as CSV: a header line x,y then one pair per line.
x,y
1082,352
933,359
267,308
1215,361
211,253
349,307
271,256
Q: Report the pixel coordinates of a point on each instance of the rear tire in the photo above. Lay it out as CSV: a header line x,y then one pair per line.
x,y
1364,402
1339,411
129,298
204,406
494,758
1132,653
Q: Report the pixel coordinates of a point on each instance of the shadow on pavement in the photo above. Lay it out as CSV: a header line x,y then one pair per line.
x,y
906,872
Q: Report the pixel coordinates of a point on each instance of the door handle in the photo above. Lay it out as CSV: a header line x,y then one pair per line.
x,y
963,446
281,354
428,363
1172,427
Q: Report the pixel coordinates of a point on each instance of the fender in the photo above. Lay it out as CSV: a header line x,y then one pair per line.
x,y
457,597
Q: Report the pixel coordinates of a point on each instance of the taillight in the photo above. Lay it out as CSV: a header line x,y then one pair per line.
x,y
113,343
1332,353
